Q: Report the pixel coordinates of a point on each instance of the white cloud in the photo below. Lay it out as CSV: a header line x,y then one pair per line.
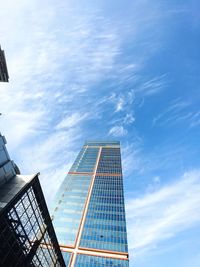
x,y
52,157
55,55
131,157
195,119
19,125
152,86
161,215
178,111
71,120
120,104
117,131
129,118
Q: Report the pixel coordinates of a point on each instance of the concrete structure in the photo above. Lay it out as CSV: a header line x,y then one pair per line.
x,y
3,67
88,214
27,237
8,169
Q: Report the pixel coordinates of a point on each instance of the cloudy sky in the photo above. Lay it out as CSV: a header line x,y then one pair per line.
x,y
116,70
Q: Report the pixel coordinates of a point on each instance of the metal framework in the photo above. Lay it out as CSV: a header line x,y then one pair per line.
x,y
27,236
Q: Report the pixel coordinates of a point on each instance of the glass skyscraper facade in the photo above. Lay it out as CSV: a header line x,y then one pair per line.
x,y
89,214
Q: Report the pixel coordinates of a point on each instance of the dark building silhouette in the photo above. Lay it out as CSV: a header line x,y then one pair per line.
x,y
27,237
3,67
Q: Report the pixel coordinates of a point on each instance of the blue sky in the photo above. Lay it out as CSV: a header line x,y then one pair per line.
x,y
122,70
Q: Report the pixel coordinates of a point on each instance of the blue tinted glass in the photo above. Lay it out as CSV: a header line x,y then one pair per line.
x,y
89,261
68,211
105,225
71,197
66,257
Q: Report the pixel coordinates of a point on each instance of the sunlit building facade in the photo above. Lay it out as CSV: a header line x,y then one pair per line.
x,y
89,214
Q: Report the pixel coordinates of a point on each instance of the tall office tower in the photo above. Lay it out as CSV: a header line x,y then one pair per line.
x,y
89,214
3,67
27,237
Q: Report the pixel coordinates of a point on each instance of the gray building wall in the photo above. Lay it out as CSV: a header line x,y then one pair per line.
x,y
7,166
3,67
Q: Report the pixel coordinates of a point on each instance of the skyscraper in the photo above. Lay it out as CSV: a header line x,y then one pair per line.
x,y
27,237
3,67
89,214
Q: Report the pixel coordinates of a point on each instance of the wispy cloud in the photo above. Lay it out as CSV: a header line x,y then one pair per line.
x,y
174,107
120,101
66,63
153,85
120,104
178,111
71,120
195,119
117,131
52,155
51,73
163,214
125,104
129,119
131,157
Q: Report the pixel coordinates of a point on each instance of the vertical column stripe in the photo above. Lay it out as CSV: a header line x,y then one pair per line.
x,y
84,212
